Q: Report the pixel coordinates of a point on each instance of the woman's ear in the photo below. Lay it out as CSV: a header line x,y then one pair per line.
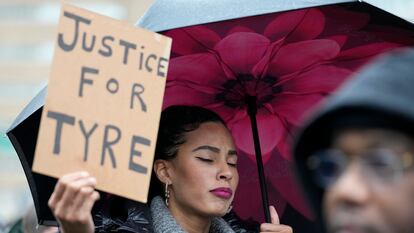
x,y
162,170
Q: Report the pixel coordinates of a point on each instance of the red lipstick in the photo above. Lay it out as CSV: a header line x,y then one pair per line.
x,y
222,192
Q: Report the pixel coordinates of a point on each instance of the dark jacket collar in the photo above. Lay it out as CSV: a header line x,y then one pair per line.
x,y
158,219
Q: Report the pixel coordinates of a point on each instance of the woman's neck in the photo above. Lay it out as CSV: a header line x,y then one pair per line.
x,y
188,220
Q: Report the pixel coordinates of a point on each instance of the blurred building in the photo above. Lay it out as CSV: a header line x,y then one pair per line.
x,y
27,35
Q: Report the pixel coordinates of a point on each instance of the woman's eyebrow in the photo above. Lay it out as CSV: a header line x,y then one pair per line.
x,y
232,152
206,147
214,149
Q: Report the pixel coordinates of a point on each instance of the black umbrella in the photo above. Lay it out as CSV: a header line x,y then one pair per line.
x,y
23,135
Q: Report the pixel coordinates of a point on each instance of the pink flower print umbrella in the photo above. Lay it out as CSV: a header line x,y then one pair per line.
x,y
262,74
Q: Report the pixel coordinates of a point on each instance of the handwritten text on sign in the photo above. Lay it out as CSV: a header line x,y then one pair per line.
x,y
104,102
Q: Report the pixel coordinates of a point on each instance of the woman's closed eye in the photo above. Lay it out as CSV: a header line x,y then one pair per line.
x,y
207,160
232,161
232,164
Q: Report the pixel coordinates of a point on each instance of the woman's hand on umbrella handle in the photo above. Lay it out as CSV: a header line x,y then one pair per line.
x,y
275,226
72,200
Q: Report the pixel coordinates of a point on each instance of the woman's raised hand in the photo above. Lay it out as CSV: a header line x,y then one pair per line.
x,y
275,226
72,200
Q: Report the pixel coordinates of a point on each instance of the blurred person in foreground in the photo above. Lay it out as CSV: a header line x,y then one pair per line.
x,y
355,157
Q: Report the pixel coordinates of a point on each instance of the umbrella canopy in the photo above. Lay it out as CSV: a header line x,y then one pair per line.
x,y
222,54
23,136
226,52
164,14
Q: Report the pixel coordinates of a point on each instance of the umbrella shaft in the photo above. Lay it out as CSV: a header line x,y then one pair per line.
x,y
252,110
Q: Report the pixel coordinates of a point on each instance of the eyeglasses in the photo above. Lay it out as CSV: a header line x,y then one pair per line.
x,y
379,165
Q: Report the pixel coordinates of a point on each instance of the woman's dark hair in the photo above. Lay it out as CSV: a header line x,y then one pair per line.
x,y
176,121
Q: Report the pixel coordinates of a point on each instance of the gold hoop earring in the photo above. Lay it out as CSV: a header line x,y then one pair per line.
x,y
167,194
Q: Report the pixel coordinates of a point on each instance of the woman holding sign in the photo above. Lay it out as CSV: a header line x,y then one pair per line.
x,y
193,185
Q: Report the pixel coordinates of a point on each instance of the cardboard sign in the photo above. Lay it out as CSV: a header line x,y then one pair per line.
x,y
104,102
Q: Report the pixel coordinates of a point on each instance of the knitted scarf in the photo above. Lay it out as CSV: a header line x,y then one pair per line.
x,y
164,222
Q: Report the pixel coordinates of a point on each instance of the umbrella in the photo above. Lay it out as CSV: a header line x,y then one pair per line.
x,y
262,65
23,136
256,60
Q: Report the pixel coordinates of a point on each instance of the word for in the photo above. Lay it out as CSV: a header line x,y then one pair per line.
x,y
112,86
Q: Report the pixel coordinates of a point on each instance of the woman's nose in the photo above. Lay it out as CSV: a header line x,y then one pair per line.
x,y
224,172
